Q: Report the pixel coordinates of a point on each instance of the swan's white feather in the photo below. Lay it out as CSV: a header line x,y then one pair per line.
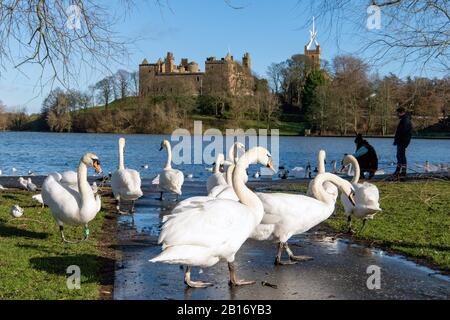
x,y
171,180
126,184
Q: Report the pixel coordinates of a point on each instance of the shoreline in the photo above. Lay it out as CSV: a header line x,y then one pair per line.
x,y
281,135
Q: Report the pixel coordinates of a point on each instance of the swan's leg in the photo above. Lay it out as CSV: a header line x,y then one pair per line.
x,y
86,235
363,225
194,284
349,221
278,261
294,257
234,281
161,197
132,206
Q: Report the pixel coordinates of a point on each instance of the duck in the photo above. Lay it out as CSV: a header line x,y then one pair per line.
x,y
38,198
27,184
125,183
217,178
170,180
69,206
291,214
16,211
367,197
204,233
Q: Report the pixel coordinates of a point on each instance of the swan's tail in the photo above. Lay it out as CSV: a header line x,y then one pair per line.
x,y
190,255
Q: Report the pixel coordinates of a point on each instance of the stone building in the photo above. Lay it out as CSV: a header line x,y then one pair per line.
x,y
223,76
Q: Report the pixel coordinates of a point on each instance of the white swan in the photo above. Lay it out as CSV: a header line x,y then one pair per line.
x,y
69,206
366,196
227,191
329,187
205,233
125,183
170,180
233,158
290,214
217,178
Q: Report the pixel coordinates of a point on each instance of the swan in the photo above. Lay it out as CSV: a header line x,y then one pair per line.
x,y
38,198
329,187
209,231
170,180
290,214
217,178
125,183
69,206
16,211
333,167
227,191
27,184
366,197
233,157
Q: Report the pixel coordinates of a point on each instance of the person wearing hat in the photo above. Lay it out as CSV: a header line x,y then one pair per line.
x,y
402,139
366,156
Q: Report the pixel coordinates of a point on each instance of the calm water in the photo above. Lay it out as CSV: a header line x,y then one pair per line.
x,y
48,152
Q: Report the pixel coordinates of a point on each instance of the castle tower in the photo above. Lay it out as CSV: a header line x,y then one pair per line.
x,y
313,53
170,63
246,61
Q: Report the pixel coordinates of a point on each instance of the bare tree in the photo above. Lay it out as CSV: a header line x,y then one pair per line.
x,y
59,35
105,89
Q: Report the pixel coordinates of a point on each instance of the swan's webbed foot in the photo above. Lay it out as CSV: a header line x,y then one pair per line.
x,y
86,235
278,261
293,257
234,281
194,284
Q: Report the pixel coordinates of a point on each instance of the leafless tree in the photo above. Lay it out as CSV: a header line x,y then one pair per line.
x,y
60,35
105,88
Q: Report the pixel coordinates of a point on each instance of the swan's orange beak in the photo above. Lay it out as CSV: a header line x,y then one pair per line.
x,y
97,167
270,165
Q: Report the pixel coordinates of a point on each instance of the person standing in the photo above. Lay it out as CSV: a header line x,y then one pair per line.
x,y
402,139
366,156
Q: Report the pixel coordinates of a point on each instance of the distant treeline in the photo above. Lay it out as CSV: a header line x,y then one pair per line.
x,y
341,98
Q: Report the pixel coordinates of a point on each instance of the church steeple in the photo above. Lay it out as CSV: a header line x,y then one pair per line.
x,y
313,53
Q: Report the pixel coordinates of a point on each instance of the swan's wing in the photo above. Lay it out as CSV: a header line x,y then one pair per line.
x,y
228,193
209,224
172,180
59,198
126,183
189,203
69,178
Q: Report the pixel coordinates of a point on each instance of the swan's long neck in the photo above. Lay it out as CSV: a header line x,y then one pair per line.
x,y
217,164
169,157
321,164
230,170
245,195
121,160
83,185
232,153
357,170
319,191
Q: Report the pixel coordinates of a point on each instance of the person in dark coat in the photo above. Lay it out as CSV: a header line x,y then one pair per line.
x,y
402,139
366,156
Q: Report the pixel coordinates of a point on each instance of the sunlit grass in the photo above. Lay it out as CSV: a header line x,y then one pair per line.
x,y
33,259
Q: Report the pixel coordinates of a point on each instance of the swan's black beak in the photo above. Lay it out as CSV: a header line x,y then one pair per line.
x,y
160,149
351,198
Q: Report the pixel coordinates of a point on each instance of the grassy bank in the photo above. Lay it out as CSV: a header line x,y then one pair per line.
x,y
415,221
34,261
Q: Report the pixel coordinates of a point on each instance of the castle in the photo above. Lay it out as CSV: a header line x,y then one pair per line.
x,y
221,77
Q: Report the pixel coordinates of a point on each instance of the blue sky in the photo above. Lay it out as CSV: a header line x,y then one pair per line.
x,y
271,31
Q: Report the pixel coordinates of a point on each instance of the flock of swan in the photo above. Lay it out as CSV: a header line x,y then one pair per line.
x,y
202,230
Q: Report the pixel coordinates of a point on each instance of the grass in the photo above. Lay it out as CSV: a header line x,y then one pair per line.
x,y
34,261
415,221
